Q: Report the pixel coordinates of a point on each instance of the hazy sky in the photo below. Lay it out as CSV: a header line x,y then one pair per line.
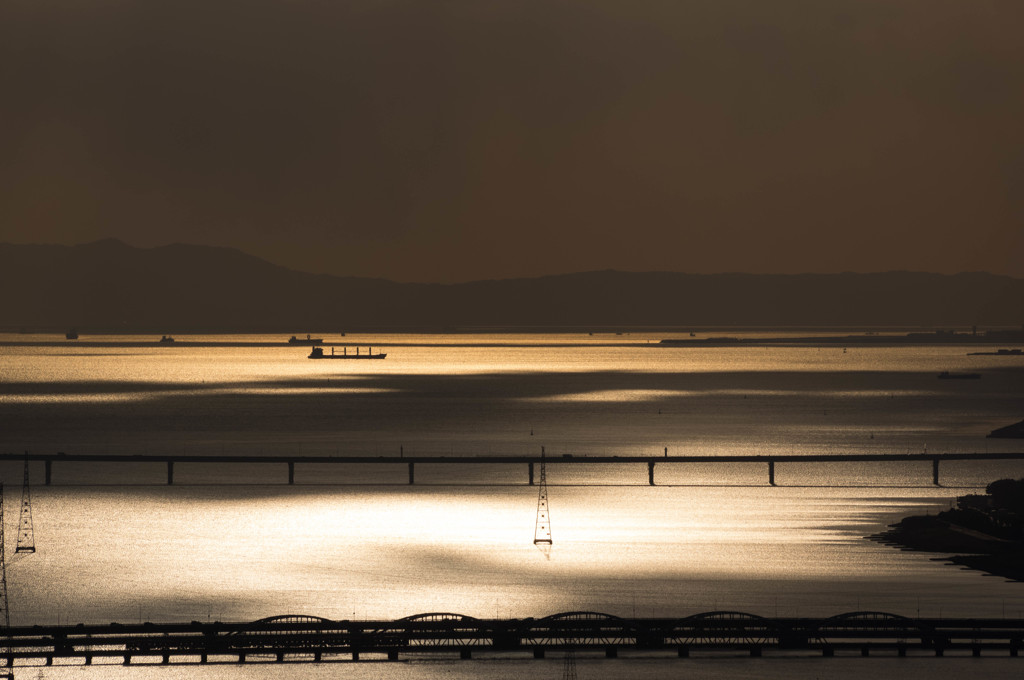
x,y
447,140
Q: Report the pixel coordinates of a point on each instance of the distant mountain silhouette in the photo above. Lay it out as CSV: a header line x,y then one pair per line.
x,y
110,286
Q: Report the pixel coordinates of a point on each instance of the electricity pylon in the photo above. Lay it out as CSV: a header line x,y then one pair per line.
x,y
569,669
26,536
542,531
3,567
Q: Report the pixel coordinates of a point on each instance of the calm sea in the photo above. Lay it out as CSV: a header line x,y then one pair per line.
x,y
115,543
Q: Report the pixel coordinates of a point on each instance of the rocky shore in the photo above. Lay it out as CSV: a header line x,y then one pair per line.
x,y
982,532
960,545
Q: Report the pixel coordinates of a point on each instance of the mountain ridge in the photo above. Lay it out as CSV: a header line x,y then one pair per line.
x,y
111,286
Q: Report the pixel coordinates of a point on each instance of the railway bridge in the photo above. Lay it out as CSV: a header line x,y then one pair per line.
x,y
311,638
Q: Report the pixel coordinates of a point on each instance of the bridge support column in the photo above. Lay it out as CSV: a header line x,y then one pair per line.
x,y
291,472
901,650
465,654
938,651
771,473
166,659
204,658
241,658
976,651
88,660
127,660
538,652
611,652
650,473
755,650
392,656
828,651
935,471
318,656
412,473
865,651
170,472
684,652
49,471
49,661
355,655
531,473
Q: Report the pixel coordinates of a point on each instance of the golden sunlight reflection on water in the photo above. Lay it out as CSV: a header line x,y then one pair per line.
x,y
245,553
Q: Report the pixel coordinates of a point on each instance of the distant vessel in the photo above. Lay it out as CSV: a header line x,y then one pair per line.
x,y
318,353
71,334
166,338
946,375
999,353
308,341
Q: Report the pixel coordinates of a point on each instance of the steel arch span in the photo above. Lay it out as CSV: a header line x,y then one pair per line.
x,y
579,628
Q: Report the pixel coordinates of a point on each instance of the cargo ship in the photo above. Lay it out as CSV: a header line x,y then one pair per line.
x,y
318,353
308,341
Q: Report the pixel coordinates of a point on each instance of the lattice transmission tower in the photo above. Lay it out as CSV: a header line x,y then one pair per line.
x,y
569,669
542,531
3,568
26,536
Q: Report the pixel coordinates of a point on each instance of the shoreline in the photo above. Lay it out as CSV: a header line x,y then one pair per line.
x,y
961,545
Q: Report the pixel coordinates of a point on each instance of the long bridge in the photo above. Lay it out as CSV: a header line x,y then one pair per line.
x,y
311,638
530,462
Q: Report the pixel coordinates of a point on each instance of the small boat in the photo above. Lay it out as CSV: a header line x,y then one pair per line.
x,y
308,341
166,338
318,353
947,375
999,353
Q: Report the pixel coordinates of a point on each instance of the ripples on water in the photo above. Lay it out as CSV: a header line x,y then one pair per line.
x,y
117,544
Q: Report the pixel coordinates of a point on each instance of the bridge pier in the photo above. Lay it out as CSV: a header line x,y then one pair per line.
x,y
771,473
755,651
355,656
392,656
901,650
204,658
241,658
935,471
280,657
127,660
412,473
975,651
865,651
465,654
650,473
291,472
166,659
611,652
828,651
170,472
531,473
49,660
538,652
684,652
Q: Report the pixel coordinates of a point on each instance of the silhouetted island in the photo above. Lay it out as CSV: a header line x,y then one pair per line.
x,y
983,532
1015,431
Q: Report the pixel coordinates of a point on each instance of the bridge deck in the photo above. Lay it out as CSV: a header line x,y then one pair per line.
x,y
307,638
170,460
